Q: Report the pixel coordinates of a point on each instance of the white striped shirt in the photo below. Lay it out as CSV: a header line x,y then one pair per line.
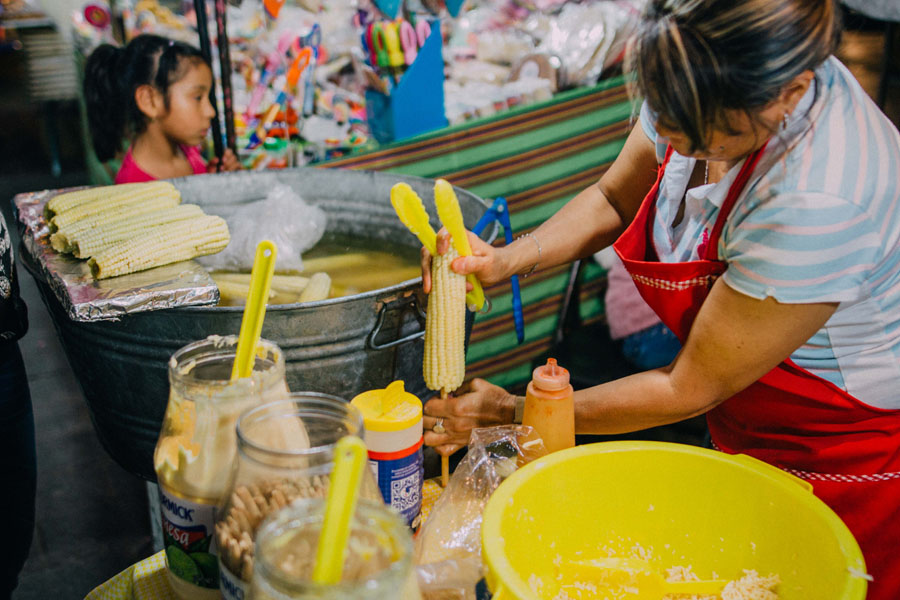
x,y
819,221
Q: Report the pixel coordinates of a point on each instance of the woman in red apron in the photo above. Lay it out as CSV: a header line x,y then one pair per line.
x,y
721,77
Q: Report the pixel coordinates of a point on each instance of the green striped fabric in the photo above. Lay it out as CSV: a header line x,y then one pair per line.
x,y
538,157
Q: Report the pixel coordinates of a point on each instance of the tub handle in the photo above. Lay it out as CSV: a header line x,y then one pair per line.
x,y
762,465
401,305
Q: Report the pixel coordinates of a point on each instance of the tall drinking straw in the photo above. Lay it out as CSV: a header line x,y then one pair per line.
x,y
225,69
203,32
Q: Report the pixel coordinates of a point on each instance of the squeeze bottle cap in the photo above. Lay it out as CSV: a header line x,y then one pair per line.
x,y
390,409
550,377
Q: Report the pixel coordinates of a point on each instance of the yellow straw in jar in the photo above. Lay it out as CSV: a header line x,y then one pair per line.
x,y
350,458
255,309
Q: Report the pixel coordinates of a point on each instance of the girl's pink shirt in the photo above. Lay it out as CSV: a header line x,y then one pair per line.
x,y
130,172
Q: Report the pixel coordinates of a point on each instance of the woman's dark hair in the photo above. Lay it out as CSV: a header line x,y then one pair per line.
x,y
112,75
696,59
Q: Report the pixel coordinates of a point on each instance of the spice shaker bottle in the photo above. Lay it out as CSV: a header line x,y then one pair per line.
x,y
196,448
378,561
550,406
285,452
394,438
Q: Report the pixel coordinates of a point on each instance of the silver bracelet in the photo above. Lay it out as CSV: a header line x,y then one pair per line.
x,y
534,266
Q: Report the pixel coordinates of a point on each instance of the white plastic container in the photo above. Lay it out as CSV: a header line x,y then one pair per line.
x,y
393,435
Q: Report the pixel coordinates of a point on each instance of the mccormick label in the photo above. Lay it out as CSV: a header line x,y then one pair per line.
x,y
188,529
233,588
399,476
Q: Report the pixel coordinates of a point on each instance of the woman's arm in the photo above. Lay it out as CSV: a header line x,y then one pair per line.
x,y
734,341
589,222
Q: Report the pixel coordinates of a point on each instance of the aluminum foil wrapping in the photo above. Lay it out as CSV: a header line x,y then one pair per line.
x,y
86,299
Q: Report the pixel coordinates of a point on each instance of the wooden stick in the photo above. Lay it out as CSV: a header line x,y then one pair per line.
x,y
445,460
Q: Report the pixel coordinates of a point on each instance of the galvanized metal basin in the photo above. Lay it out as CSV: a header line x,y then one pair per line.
x,y
341,346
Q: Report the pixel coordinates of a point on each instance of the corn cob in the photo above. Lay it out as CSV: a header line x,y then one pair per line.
x,y
445,326
162,245
64,202
118,203
104,218
318,288
89,242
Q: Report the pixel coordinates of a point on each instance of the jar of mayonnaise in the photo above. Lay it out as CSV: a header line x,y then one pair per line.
x,y
377,565
285,452
196,448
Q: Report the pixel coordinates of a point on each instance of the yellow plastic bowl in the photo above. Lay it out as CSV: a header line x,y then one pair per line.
x,y
687,506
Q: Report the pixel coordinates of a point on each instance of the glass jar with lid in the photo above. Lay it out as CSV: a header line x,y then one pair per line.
x,y
378,562
196,449
285,452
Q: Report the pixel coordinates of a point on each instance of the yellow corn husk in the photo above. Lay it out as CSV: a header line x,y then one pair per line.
x,y
162,245
104,218
319,288
68,200
118,204
86,243
444,366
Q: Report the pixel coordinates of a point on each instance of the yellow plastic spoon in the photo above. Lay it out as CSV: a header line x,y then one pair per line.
x,y
350,459
255,309
634,579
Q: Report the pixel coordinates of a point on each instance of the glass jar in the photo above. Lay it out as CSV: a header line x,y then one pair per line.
x,y
196,449
378,563
285,452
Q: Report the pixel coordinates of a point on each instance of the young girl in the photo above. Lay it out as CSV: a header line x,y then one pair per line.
x,y
155,92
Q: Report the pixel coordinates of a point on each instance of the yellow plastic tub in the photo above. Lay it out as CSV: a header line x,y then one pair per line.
x,y
685,506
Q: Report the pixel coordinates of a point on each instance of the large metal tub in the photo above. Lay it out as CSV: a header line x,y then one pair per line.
x,y
340,346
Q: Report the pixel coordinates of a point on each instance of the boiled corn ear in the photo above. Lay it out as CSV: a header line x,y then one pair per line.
x,y
68,200
95,240
444,366
318,288
162,245
114,204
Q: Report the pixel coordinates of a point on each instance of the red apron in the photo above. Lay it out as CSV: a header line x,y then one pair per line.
x,y
790,418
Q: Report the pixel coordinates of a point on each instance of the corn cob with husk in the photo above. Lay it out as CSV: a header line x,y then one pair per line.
x,y
86,242
116,203
162,245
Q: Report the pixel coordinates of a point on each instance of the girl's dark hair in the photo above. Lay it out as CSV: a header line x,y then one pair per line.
x,y
112,75
696,59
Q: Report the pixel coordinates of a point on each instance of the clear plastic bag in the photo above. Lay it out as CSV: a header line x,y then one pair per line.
x,y
282,217
448,547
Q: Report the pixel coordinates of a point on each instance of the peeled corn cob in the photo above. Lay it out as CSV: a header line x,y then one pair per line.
x,y
318,288
162,245
62,223
69,200
444,366
114,202
84,243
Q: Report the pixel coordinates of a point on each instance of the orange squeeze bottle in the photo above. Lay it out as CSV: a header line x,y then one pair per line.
x,y
550,406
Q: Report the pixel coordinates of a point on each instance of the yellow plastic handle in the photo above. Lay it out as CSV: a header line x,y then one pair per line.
x,y
451,216
411,211
255,309
760,465
350,458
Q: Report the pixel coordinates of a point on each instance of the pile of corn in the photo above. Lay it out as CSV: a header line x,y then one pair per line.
x,y
132,227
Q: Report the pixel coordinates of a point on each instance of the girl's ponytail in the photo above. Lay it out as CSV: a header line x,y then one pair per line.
x,y
105,100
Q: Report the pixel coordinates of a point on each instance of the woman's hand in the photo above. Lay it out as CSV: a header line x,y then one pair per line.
x,y
476,403
229,163
486,261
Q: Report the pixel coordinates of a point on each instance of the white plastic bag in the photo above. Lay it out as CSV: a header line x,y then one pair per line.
x,y
448,547
282,217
